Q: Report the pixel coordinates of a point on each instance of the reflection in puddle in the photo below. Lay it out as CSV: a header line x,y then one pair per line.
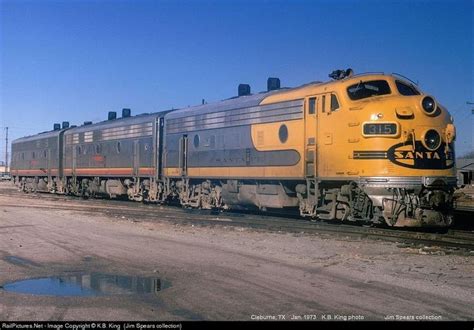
x,y
95,284
20,261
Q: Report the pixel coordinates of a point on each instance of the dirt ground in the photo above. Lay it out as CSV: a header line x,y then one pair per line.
x,y
223,272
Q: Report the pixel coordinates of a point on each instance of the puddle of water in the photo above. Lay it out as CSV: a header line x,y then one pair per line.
x,y
88,285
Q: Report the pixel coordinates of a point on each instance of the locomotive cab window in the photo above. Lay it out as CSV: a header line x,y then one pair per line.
x,y
405,89
334,102
365,89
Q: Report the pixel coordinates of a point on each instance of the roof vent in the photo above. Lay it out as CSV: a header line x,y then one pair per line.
x,y
65,124
244,89
126,113
56,127
273,84
87,123
112,115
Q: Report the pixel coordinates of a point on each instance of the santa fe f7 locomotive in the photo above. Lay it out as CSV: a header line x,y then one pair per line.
x,y
367,148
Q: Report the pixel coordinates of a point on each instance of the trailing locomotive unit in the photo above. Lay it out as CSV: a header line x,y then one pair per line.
x,y
369,148
117,157
36,163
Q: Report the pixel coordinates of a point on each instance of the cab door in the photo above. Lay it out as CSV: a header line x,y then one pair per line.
x,y
310,136
330,133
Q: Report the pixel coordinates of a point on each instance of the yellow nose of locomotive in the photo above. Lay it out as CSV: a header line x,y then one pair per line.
x,y
405,157
425,145
406,137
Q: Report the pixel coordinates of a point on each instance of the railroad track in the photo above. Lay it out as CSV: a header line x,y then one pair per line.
x,y
452,238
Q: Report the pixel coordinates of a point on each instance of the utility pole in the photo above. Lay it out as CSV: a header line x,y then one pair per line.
x,y
6,149
472,112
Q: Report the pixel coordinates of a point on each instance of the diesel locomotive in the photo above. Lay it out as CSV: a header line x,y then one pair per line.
x,y
369,148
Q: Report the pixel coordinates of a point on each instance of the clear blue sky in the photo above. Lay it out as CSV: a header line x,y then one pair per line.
x,y
77,60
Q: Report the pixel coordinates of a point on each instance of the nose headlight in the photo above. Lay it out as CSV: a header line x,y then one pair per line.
x,y
432,139
429,105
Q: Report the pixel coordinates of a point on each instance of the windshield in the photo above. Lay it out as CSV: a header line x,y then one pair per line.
x,y
405,89
365,89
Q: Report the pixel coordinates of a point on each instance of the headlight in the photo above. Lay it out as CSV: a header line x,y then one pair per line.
x,y
432,139
429,105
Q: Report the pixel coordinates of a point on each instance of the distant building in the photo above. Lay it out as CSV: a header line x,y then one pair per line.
x,y
465,168
2,167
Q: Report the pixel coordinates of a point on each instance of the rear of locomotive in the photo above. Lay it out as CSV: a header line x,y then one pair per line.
x,y
404,152
36,161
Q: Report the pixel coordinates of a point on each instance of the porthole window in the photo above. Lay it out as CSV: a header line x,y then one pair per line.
x,y
283,133
118,147
147,146
196,141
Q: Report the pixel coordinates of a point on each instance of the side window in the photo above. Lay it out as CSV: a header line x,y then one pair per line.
x,y
334,102
312,106
323,105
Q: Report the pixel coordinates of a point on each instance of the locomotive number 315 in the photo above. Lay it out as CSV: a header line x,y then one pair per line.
x,y
380,129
